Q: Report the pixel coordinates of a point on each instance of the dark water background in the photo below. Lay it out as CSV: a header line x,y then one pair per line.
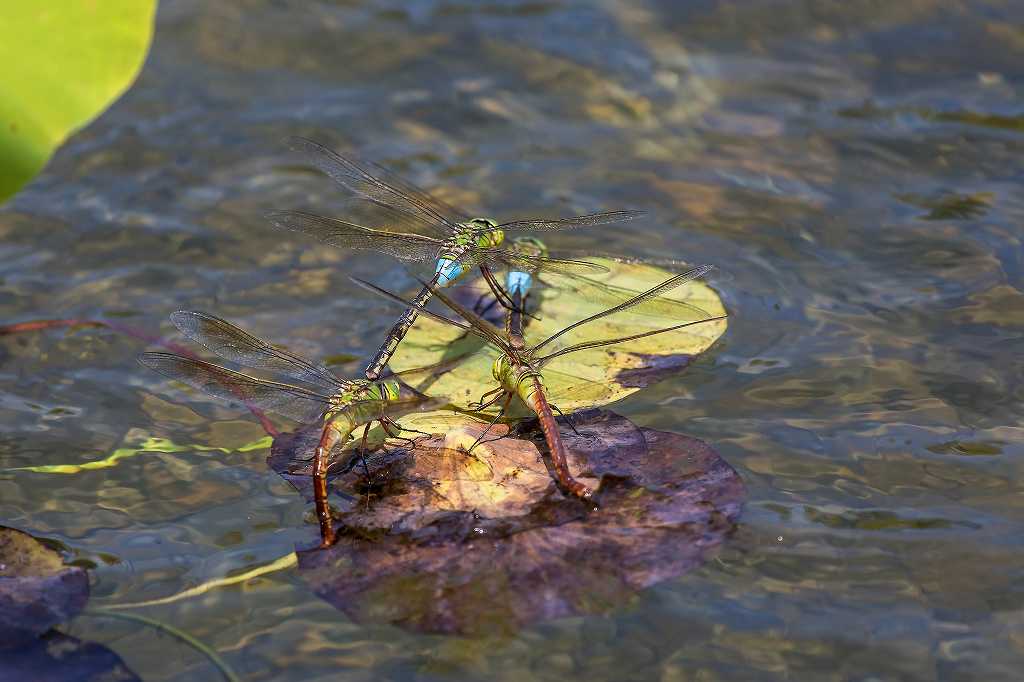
x,y
853,166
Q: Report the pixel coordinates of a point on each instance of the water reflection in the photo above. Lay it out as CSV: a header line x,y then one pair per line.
x,y
855,168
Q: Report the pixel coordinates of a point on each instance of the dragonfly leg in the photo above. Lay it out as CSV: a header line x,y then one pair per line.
x,y
525,312
481,405
389,423
496,288
568,420
330,437
508,399
362,451
362,457
395,431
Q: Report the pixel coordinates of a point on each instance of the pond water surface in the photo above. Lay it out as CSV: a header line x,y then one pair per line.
x,y
852,167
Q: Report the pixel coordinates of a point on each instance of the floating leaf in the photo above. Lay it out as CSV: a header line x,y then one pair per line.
x,y
439,540
37,591
584,379
65,62
57,657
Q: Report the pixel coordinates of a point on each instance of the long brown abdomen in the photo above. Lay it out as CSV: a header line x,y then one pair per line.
x,y
539,404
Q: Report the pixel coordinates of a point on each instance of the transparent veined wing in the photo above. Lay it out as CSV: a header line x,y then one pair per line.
x,y
515,260
588,220
636,300
293,402
604,293
380,185
237,345
346,235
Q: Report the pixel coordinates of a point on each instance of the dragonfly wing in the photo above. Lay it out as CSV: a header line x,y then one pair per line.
x,y
588,220
652,293
234,344
342,234
526,263
438,368
483,328
288,401
599,343
378,216
609,294
380,185
563,386
667,263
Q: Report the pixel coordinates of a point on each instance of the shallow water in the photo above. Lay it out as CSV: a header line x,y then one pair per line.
x,y
852,167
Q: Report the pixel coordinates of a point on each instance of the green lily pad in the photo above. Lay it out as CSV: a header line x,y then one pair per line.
x,y
587,378
65,61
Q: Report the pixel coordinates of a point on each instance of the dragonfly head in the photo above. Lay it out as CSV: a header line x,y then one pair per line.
x,y
490,239
509,375
531,246
449,268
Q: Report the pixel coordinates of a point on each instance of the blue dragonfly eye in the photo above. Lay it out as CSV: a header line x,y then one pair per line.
x,y
449,271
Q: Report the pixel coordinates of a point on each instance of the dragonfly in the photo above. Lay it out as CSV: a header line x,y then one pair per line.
x,y
416,227
518,368
309,394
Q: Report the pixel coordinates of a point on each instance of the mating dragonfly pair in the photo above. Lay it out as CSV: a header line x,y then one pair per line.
x,y
422,229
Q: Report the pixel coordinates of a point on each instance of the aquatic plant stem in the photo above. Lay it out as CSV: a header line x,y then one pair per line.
x,y
289,560
212,655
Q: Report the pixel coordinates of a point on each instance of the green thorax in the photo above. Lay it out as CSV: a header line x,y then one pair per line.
x,y
359,390
513,377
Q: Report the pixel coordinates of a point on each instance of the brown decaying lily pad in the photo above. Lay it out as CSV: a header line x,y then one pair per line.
x,y
436,540
56,657
37,591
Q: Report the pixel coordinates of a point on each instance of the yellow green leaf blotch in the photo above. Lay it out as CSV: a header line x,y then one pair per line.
x,y
145,444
